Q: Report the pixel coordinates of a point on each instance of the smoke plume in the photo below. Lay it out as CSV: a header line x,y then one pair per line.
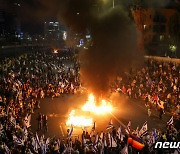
x,y
114,49
113,46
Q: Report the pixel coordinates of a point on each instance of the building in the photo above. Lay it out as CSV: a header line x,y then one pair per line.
x,y
1,23
52,30
153,23
10,23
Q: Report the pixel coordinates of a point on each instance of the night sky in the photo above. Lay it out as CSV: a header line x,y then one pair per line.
x,y
33,13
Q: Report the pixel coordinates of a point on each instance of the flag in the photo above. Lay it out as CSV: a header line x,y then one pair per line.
x,y
135,141
177,151
70,132
101,137
37,138
104,140
100,140
12,121
46,144
170,122
56,147
35,144
93,129
58,141
84,141
43,145
112,143
137,131
94,126
41,142
1,129
96,140
95,143
128,128
17,141
101,143
151,139
25,134
109,139
155,136
125,150
143,130
72,86
27,121
110,125
7,151
119,134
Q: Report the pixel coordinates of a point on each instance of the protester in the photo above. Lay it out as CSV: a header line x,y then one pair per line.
x,y
157,83
27,79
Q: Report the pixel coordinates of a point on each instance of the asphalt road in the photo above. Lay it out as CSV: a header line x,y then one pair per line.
x,y
58,109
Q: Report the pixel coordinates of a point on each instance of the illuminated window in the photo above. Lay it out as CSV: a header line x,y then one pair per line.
x,y
173,48
161,37
144,26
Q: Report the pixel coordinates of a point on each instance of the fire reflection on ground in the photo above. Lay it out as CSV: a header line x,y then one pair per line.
x,y
90,106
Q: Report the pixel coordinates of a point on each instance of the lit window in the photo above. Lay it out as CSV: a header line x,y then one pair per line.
x,y
144,26
161,37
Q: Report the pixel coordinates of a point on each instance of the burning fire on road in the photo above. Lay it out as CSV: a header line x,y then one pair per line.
x,y
89,107
78,121
105,107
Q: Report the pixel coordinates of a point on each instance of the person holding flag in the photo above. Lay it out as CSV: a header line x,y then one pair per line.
x,y
170,122
27,121
93,129
111,143
70,131
128,128
143,130
94,126
110,125
120,135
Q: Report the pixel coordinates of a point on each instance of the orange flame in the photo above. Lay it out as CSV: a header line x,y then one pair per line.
x,y
90,106
78,121
105,106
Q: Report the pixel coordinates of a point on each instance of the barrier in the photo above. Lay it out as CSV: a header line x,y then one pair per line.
x,y
165,59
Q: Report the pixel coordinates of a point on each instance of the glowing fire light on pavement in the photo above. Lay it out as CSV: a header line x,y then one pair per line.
x,y
90,106
78,121
105,106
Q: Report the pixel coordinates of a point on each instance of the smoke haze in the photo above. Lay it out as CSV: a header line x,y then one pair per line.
x,y
114,37
113,51
114,41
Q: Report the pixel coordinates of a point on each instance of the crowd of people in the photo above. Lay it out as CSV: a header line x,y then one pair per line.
x,y
157,83
26,79
18,139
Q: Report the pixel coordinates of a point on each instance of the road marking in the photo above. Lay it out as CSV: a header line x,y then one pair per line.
x,y
121,123
61,130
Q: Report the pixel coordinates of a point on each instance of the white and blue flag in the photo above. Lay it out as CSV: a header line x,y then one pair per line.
x,y
128,128
143,130
170,122
70,132
110,125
